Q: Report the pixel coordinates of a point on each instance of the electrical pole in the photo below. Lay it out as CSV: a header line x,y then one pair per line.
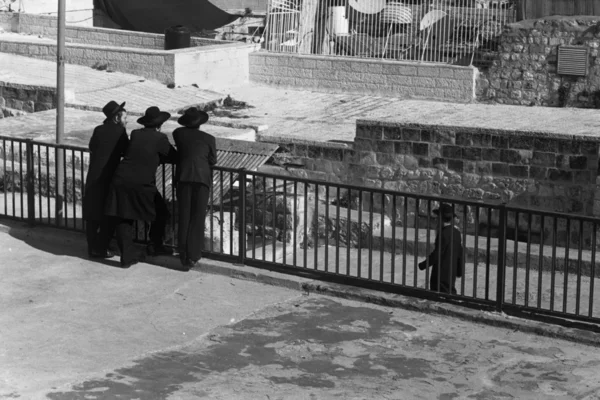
x,y
60,112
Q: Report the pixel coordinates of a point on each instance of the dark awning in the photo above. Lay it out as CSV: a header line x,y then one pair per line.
x,y
157,15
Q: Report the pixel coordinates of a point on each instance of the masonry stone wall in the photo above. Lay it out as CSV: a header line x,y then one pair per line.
x,y
379,77
525,70
26,98
527,169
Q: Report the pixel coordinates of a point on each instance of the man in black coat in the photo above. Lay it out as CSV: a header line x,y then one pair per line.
x,y
447,256
107,145
133,195
197,153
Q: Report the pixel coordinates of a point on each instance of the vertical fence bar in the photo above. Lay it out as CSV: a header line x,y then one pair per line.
x,y
566,267
476,252
242,217
416,244
295,224
74,191
593,271
501,271
515,258
541,262
337,229
305,228
64,205
553,272
6,183
264,218
285,235
83,177
382,238
579,260
316,227
221,207
359,241
393,260
274,220
12,180
30,182
371,209
528,259
348,231
39,178
48,193
404,238
326,224
21,179
253,217
232,208
488,257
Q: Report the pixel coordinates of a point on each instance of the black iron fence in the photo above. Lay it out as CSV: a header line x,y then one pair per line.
x,y
520,261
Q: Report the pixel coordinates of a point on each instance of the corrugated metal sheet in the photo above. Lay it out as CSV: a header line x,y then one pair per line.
x,y
230,154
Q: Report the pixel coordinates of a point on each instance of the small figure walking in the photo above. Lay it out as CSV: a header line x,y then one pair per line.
x,y
197,154
447,256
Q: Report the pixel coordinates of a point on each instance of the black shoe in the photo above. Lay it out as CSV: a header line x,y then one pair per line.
x,y
161,250
129,263
101,254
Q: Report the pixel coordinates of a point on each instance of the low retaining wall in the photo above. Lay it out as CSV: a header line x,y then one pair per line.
x,y
130,52
530,169
26,98
379,77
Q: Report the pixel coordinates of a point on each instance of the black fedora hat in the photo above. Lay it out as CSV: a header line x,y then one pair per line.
x,y
153,117
193,117
445,210
112,108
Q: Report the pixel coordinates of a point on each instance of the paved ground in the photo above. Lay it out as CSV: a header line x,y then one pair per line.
x,y
75,329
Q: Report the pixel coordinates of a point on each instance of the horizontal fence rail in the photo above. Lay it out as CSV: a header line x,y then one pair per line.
x,y
527,262
443,31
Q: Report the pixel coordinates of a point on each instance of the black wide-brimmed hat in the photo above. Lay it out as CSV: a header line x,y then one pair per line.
x,y
193,117
153,117
112,108
445,210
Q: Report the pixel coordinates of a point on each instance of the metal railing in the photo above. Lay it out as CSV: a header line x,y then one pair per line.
x,y
443,31
525,262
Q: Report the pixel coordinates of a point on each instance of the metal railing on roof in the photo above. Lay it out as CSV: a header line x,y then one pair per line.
x,y
442,31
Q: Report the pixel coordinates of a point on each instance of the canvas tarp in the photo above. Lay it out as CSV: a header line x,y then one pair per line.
x,y
157,15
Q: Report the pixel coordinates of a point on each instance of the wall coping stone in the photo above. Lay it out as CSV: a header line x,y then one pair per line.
x,y
481,130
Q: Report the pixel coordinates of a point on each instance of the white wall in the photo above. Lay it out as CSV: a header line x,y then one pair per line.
x,y
79,12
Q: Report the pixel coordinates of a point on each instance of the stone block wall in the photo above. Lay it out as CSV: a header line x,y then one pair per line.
x,y
151,64
26,98
557,173
525,70
44,25
379,77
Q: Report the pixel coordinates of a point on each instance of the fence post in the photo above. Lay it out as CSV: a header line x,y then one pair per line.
x,y
30,176
501,268
242,216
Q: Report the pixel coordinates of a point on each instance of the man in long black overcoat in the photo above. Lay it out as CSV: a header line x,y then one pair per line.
x,y
447,255
133,195
107,145
197,153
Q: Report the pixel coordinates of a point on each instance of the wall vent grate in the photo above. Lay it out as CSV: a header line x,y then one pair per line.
x,y
572,60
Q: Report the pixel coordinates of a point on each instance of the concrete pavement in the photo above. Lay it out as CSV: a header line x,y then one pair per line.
x,y
74,328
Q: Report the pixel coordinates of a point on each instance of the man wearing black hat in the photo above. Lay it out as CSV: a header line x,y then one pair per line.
x,y
197,153
108,143
133,194
447,256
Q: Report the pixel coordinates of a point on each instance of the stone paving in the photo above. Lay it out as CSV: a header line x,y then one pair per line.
x,y
92,89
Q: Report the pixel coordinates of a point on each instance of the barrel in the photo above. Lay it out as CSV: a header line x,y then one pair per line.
x,y
177,37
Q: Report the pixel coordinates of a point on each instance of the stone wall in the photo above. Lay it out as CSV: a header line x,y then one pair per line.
x,y
525,71
26,98
527,169
379,77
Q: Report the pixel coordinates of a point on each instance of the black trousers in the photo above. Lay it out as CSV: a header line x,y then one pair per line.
x,y
99,234
159,225
124,228
192,199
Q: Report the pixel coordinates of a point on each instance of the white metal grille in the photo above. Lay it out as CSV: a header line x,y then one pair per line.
x,y
448,31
